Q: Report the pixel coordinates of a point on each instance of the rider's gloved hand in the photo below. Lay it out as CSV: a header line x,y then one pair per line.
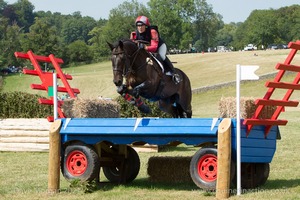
x,y
141,46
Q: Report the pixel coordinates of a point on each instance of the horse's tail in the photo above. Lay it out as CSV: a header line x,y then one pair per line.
x,y
184,92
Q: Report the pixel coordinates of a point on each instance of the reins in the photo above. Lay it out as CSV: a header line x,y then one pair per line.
x,y
129,69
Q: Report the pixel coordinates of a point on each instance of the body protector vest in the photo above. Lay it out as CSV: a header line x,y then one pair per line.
x,y
146,36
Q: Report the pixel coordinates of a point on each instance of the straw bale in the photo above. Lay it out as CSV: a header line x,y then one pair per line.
x,y
227,108
169,169
91,108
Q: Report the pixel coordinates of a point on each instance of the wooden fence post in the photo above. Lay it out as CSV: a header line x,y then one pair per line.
x,y
224,159
54,157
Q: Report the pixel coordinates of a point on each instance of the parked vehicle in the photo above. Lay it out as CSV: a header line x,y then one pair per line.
x,y
282,46
272,46
250,47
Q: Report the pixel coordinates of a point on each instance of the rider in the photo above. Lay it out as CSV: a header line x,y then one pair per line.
x,y
157,45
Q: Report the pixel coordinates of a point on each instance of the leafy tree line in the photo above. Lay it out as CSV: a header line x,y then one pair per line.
x,y
182,24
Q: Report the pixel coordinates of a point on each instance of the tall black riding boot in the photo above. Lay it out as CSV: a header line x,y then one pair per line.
x,y
169,68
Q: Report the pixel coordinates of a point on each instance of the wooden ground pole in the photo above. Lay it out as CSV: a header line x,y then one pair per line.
x,y
54,157
224,159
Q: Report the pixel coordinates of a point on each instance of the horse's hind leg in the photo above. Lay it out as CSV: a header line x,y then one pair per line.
x,y
188,114
184,102
182,113
168,108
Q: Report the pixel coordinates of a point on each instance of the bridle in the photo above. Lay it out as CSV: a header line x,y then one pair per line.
x,y
128,63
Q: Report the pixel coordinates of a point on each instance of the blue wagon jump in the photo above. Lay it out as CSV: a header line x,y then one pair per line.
x,y
91,143
158,131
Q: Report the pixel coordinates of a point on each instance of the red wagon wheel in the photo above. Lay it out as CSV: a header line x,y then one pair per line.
x,y
80,161
207,167
76,163
203,168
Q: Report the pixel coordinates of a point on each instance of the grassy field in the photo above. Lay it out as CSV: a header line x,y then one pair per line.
x,y
24,175
203,70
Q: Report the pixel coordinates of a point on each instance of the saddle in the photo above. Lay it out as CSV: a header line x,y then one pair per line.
x,y
156,58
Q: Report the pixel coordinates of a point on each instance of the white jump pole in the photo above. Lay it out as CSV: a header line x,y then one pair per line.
x,y
55,96
238,130
245,72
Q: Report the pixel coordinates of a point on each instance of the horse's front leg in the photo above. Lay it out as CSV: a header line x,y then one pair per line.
x,y
136,90
123,91
137,101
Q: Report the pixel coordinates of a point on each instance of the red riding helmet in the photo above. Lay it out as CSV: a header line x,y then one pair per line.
x,y
142,19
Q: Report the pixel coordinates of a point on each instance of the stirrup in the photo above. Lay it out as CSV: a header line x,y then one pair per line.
x,y
176,78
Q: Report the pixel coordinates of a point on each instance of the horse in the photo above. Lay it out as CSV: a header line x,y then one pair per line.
x,y
145,77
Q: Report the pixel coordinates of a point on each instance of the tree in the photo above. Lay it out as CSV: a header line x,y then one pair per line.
x,y
78,51
42,38
288,23
3,4
225,35
121,20
24,10
187,37
118,26
263,25
166,15
9,42
76,27
98,43
206,23
9,13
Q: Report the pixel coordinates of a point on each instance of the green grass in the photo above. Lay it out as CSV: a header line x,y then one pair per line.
x,y
203,69
24,175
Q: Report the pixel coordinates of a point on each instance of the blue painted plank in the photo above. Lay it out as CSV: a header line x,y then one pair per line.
x,y
122,139
95,122
146,126
265,143
141,130
257,151
256,159
148,130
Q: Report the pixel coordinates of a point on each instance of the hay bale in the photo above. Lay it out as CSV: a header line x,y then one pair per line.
x,y
91,108
227,108
169,169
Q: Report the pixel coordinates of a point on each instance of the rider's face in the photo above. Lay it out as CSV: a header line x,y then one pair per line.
x,y
141,28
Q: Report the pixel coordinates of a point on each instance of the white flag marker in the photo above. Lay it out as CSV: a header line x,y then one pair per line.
x,y
248,72
243,72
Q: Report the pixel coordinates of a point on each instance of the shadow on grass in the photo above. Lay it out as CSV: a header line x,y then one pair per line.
x,y
145,183
281,184
179,148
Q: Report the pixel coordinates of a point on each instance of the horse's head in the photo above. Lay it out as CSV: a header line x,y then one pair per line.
x,y
118,59
122,54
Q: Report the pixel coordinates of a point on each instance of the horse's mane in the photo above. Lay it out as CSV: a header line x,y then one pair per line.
x,y
129,42
124,40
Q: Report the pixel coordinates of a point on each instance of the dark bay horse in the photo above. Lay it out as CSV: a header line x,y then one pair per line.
x,y
144,77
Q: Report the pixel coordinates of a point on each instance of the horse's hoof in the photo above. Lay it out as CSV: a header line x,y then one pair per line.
x,y
144,108
122,89
132,102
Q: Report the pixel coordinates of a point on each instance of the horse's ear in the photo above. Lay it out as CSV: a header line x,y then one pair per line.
x,y
110,45
121,44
